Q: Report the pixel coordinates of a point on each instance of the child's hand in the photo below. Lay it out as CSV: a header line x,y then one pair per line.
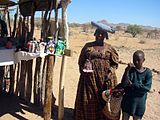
x,y
130,83
109,76
130,65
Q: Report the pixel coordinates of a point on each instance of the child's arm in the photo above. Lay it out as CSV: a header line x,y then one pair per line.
x,y
143,87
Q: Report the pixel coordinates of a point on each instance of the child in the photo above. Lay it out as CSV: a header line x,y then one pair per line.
x,y
137,81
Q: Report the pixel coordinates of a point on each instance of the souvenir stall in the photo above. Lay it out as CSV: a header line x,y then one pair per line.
x,y
6,51
30,62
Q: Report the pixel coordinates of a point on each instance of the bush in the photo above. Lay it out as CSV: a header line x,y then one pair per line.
x,y
142,42
133,30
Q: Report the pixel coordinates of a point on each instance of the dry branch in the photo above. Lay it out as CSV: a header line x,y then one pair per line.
x,y
124,63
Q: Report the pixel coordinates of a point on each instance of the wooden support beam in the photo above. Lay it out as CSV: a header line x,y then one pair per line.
x,y
9,23
32,22
49,75
12,73
17,74
29,80
15,22
48,88
22,79
1,78
64,4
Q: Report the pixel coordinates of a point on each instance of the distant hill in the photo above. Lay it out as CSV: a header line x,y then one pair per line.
x,y
114,25
124,25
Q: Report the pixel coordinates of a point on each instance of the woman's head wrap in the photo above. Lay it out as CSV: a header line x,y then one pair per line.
x,y
102,32
102,28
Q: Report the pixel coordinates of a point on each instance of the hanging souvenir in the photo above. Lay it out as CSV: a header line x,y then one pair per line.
x,y
32,46
50,49
60,47
42,46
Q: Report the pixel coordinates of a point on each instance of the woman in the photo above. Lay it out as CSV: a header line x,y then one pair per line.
x,y
103,60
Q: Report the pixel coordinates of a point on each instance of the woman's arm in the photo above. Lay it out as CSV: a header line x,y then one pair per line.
x,y
82,58
114,59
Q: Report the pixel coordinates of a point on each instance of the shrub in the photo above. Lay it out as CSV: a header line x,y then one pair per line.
x,y
133,30
142,42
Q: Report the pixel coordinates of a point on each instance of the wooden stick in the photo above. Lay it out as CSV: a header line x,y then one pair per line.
x,y
156,71
124,63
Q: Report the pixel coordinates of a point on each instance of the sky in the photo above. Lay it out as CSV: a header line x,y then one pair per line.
x,y
140,12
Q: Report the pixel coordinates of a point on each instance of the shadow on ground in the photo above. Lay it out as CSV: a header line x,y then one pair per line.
x,y
12,105
68,113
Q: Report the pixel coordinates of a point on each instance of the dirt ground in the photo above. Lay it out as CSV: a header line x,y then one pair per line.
x,y
12,108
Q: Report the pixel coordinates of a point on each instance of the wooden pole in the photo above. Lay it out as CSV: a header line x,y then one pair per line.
x,y
12,73
44,69
49,78
18,73
48,88
32,22
37,79
1,78
9,23
29,80
15,22
42,25
64,4
22,79
56,21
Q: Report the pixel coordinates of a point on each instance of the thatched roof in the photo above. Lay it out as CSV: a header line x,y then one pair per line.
x,y
40,5
7,3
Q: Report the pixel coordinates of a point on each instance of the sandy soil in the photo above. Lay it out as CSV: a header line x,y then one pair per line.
x,y
125,46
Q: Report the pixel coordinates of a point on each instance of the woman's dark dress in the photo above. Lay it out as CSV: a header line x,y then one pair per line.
x,y
89,104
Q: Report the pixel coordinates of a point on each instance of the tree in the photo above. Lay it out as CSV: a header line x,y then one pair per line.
x,y
133,30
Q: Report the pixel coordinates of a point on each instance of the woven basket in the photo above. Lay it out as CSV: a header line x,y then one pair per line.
x,y
113,105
